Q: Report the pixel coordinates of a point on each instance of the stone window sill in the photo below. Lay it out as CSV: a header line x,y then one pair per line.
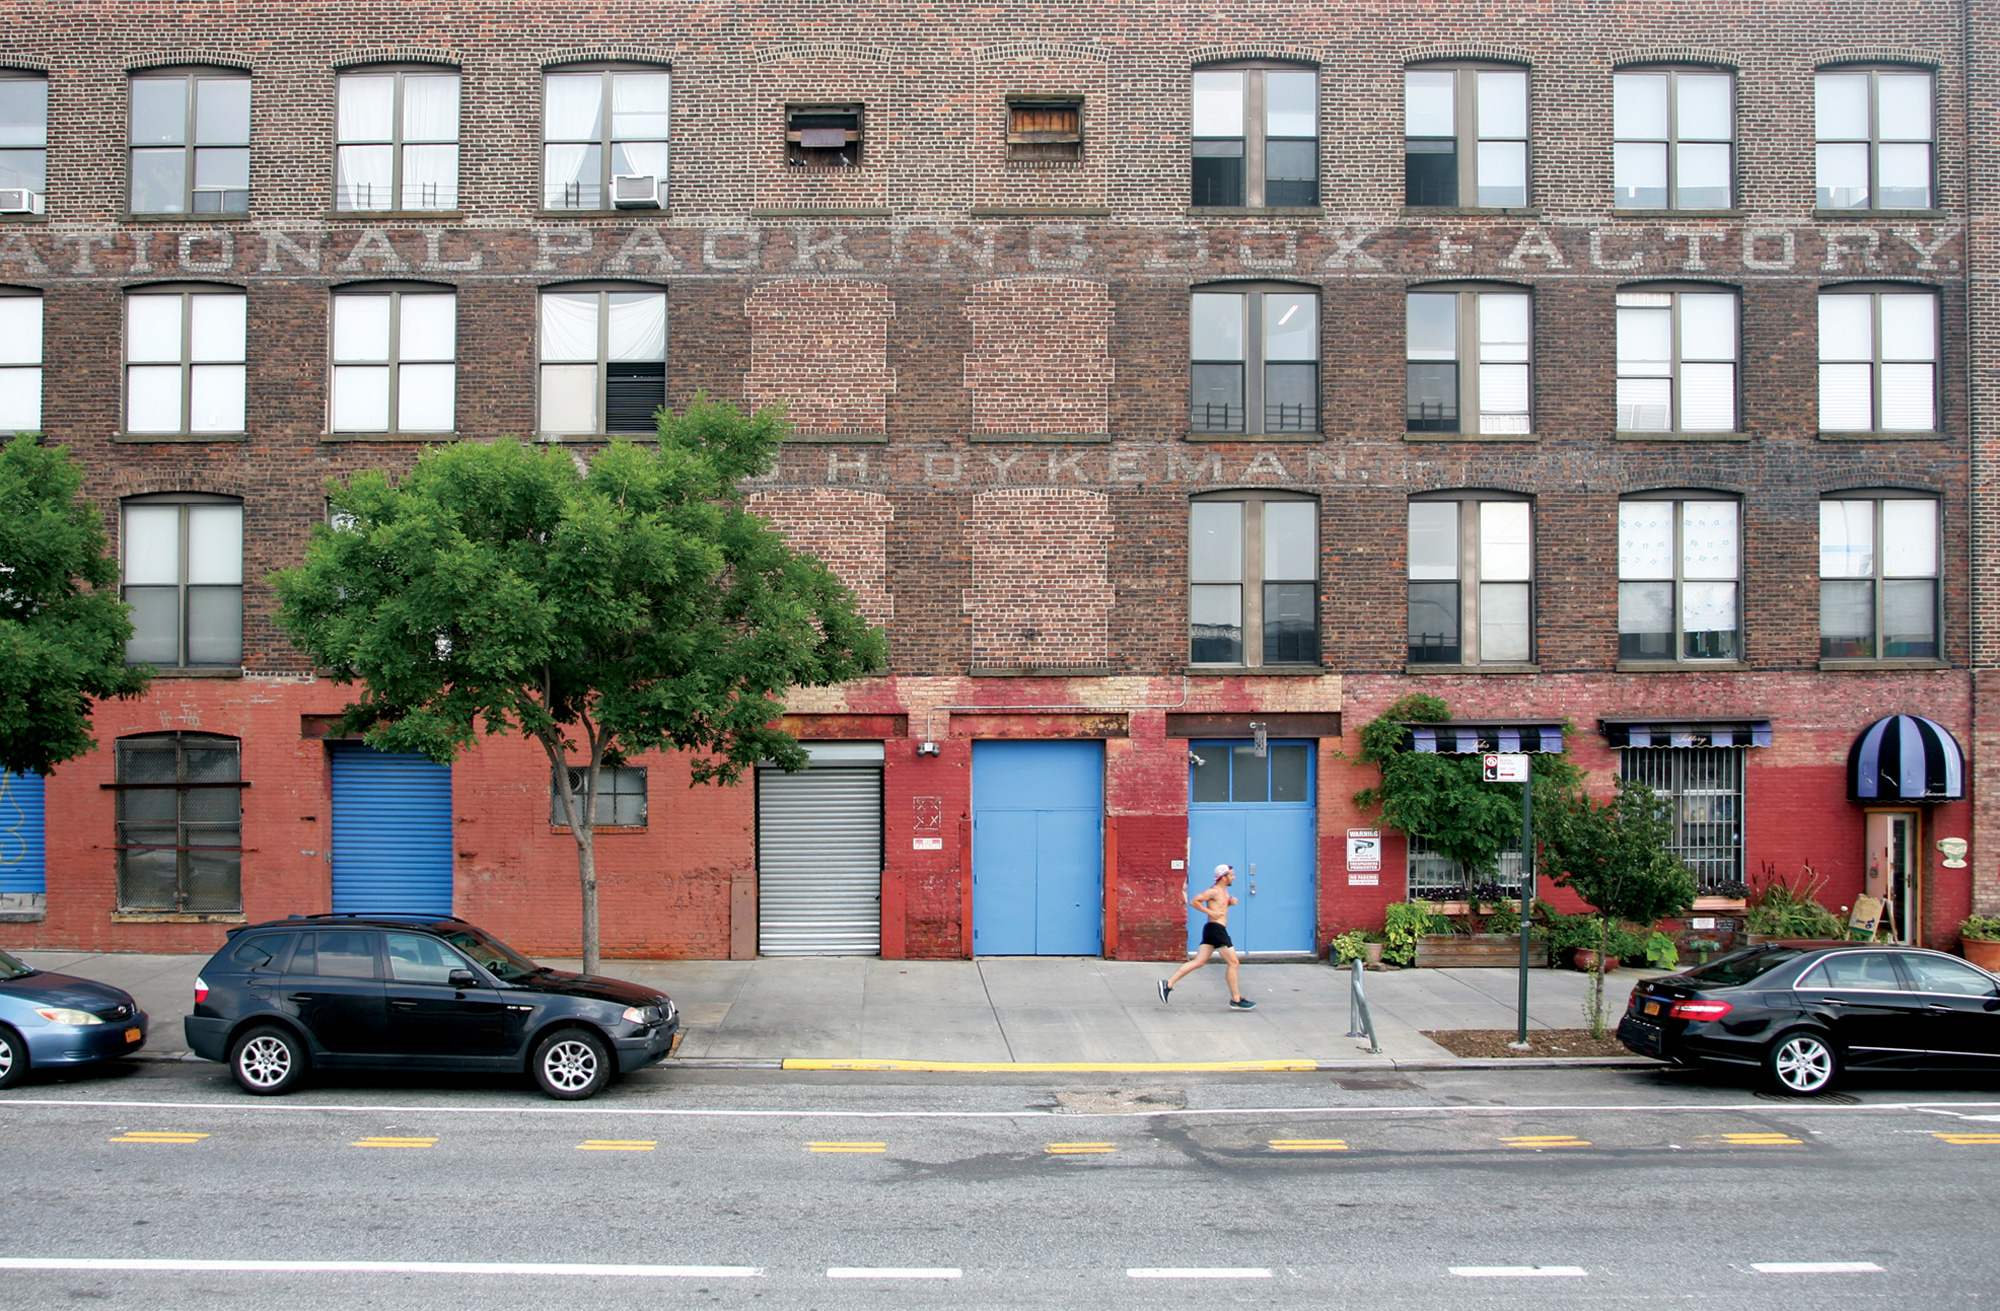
x,y
1041,211
1257,211
1682,666
1471,437
176,917
1258,671
1449,211
1681,436
135,437
650,211
1927,436
196,671
1255,437
232,217
1680,213
336,438
1887,666
392,215
1473,669
1045,437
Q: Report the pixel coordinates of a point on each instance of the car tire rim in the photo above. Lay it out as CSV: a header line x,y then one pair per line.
x,y
6,1058
265,1062
1804,1065
570,1065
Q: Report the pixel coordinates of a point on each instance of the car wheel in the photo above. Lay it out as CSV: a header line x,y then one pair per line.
x,y
1801,1063
571,1064
267,1061
13,1058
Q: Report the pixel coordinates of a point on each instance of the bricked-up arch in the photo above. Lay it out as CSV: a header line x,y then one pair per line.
x,y
820,346
1041,591
848,529
654,55
1673,55
1040,50
188,59
849,52
1041,355
400,55
1839,55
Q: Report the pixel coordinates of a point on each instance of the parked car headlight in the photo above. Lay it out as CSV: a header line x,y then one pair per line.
x,y
64,1015
641,1015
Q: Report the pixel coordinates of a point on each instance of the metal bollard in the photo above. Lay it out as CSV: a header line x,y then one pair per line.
x,y
1359,1023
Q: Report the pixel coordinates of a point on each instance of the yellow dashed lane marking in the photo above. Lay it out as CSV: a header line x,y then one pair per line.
x,y
871,1149
1308,1145
157,1136
618,1145
1079,1149
1762,1140
395,1142
1955,1139
1546,1140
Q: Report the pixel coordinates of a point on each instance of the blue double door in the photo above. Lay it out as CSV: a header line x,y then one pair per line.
x,y
1255,814
1038,848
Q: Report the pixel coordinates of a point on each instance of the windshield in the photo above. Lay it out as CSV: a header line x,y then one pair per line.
x,y
1739,967
505,964
13,969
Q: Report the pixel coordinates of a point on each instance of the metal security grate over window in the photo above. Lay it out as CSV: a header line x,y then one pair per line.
x,y
1705,785
1435,876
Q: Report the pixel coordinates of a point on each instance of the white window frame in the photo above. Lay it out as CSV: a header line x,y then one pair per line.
x,y
211,358
1481,366
1230,106
1829,143
1694,365
1887,563
21,316
1487,571
1893,358
194,198
1692,583
398,141
203,563
1629,146
1212,573
601,361
1481,145
557,196
346,365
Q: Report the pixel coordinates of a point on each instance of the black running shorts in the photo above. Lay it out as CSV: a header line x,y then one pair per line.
x,y
1214,935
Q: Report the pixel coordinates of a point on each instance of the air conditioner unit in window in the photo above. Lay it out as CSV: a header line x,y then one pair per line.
x,y
635,191
20,200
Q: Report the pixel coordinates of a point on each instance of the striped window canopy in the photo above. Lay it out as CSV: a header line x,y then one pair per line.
x,y
1468,737
1620,734
1906,758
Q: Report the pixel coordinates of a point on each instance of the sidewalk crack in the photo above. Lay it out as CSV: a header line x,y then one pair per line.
x,y
998,1023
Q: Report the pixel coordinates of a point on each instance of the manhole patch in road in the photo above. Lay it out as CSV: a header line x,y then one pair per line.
x,y
1118,1101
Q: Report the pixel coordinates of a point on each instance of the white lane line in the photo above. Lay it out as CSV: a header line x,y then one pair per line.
x,y
1197,1272
387,1267
1817,1268
892,1272
1519,1271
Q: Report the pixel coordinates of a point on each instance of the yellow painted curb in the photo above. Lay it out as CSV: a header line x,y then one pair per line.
x,y
1049,1067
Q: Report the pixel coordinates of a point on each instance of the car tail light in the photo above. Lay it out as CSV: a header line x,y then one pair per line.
x,y
200,990
1700,1010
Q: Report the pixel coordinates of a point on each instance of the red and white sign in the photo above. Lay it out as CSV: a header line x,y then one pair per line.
x,y
1508,768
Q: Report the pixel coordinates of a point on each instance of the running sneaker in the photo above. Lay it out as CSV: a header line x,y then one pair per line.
x,y
1166,993
1245,1005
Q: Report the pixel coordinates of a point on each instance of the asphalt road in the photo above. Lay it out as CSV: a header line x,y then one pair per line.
x,y
1559,1188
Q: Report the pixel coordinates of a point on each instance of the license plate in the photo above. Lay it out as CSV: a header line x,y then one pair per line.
x,y
1652,1008
132,1035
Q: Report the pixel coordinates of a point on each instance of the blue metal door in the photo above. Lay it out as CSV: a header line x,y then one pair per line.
x,y
391,832
1038,848
1256,816
22,860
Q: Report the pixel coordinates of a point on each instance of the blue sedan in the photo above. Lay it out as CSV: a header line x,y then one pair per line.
x,y
49,1020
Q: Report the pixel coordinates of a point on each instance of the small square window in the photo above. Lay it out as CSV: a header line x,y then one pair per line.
x,y
1043,129
823,135
621,797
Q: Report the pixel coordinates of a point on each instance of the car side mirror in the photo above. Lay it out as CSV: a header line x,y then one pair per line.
x,y
462,979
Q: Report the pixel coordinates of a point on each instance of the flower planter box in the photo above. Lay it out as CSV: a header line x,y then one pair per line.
x,y
1457,951
1986,955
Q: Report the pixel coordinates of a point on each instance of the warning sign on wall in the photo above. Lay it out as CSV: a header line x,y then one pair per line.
x,y
1364,857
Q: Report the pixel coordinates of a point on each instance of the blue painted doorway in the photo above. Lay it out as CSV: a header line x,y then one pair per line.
x,y
1038,848
391,832
1257,816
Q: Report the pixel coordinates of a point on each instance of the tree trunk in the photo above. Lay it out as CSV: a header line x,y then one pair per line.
x,y
586,868
581,811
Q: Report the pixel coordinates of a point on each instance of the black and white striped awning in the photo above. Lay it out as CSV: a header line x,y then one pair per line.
x,y
1620,734
1453,737
1906,758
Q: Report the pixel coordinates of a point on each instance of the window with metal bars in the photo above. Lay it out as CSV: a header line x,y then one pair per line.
x,y
1705,787
1434,876
180,823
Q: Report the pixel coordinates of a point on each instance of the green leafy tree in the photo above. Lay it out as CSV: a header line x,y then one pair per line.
x,y
63,628
630,605
1614,855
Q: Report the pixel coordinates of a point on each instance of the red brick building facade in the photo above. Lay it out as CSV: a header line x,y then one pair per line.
x,y
1165,380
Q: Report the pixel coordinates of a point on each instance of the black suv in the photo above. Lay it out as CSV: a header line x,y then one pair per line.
x,y
415,992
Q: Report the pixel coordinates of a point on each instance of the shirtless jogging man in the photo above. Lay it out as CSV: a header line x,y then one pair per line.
x,y
1215,903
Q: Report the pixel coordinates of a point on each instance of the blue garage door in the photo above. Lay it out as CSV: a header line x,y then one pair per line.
x,y
1256,815
1038,848
22,857
391,832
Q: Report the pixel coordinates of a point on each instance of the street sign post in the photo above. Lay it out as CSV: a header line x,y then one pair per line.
x,y
1512,767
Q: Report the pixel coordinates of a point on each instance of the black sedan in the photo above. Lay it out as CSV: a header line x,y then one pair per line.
x,y
1804,1012
415,992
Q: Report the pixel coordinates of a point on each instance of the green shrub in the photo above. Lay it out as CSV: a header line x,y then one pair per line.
x,y
1980,928
1662,952
1405,924
1349,946
1783,908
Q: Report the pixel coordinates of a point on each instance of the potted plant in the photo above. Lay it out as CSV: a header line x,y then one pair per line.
x,y
1979,935
1780,908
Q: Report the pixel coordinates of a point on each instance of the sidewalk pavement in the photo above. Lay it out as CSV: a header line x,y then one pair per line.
x,y
1017,1014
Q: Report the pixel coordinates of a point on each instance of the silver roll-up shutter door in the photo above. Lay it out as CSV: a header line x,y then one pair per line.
x,y
819,855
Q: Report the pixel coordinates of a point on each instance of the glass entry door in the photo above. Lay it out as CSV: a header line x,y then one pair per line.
x,y
1890,871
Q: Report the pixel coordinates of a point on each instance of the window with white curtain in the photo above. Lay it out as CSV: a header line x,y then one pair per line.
x,y
20,362
398,140
1878,354
394,352
1878,576
1874,133
183,579
184,360
600,124
1468,356
1679,579
603,360
1674,131
1472,570
190,136
1676,360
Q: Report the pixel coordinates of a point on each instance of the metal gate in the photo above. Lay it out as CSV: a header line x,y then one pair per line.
x,y
22,851
391,832
819,854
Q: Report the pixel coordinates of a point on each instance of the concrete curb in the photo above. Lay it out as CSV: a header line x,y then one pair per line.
x,y
822,1065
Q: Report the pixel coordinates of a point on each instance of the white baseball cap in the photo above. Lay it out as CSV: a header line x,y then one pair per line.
x,y
1220,870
